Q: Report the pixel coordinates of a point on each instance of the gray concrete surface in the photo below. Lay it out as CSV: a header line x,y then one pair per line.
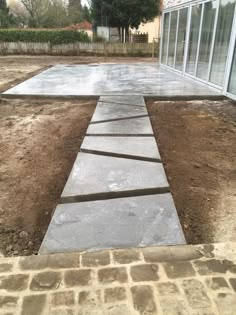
x,y
134,126
93,176
127,222
110,79
135,147
110,111
124,99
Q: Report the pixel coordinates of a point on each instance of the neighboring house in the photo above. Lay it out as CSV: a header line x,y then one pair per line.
x,y
85,26
151,28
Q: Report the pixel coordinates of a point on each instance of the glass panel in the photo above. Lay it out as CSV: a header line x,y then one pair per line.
x,y
232,80
193,38
172,38
183,17
206,39
223,32
165,37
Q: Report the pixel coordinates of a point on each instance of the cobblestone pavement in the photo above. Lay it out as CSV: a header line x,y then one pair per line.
x,y
177,280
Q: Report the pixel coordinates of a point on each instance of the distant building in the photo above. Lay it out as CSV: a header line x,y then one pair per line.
x,y
151,28
85,26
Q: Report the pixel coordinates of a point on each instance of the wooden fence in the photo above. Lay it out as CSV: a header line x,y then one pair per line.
x,y
105,49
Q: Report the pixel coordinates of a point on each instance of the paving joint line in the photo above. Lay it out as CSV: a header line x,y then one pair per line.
x,y
120,155
116,103
115,195
118,119
119,135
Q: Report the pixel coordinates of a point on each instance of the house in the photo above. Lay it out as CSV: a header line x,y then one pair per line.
x,y
199,41
84,26
152,29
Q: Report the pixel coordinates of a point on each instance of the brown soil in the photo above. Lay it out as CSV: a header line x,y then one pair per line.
x,y
197,142
39,141
15,69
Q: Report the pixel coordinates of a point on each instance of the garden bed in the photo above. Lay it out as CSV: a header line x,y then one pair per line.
x,y
197,141
39,141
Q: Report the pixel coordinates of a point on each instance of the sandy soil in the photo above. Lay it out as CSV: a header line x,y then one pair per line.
x,y
39,141
15,69
197,141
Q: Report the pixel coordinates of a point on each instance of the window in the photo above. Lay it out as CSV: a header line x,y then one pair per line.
x,y
206,40
193,38
172,38
223,33
165,37
183,17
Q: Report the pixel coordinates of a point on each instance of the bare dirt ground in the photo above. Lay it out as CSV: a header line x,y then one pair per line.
x,y
197,141
39,141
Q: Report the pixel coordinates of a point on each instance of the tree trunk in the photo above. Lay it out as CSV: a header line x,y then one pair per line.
x,y
127,34
122,34
119,31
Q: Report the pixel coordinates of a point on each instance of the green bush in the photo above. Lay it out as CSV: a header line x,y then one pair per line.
x,y
55,37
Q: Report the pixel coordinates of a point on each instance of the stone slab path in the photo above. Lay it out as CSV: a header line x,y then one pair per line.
x,y
117,194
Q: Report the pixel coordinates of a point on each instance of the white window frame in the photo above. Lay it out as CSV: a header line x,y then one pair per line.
x,y
229,64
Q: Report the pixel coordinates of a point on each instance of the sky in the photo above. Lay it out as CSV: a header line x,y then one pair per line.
x,y
84,2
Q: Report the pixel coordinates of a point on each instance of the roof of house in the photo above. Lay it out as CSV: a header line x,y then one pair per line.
x,y
80,26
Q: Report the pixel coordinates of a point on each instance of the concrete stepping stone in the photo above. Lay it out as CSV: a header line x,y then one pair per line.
x,y
119,223
134,126
110,111
131,147
96,176
131,100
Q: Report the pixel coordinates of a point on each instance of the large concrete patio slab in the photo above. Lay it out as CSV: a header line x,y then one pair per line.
x,y
119,223
133,147
95,177
110,79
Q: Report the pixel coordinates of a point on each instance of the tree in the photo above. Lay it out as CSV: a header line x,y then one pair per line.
x,y
5,17
75,11
3,5
37,10
124,14
86,13
56,15
75,4
21,15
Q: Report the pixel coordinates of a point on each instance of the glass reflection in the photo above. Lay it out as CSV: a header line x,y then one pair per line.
x,y
193,38
223,33
183,17
206,40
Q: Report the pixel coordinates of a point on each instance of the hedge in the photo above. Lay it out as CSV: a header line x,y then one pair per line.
x,y
55,37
